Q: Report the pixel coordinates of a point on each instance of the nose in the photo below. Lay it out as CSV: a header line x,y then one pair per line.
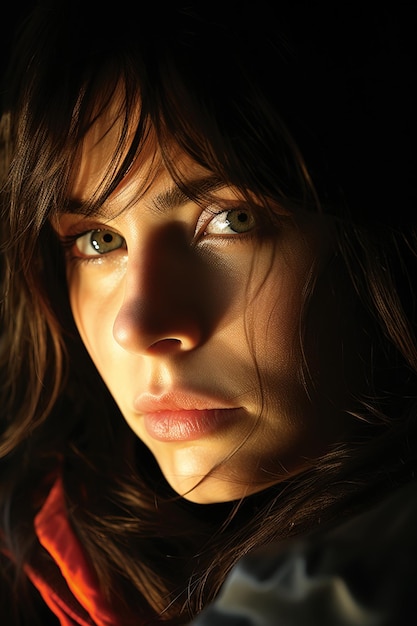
x,y
164,309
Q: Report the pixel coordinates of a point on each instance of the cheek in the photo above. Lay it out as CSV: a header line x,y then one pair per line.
x,y
274,309
95,298
273,334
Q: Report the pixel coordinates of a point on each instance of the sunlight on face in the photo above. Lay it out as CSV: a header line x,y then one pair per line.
x,y
190,312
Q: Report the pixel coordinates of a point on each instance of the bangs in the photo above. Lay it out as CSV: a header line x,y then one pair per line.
x,y
147,98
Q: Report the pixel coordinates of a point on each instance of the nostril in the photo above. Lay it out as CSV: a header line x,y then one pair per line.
x,y
166,345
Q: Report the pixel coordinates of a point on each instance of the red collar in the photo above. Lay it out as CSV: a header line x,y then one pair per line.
x,y
68,584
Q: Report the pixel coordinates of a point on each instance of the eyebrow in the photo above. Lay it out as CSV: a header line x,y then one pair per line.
x,y
175,197
164,201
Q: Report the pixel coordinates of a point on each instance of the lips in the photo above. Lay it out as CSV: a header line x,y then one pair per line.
x,y
182,416
177,401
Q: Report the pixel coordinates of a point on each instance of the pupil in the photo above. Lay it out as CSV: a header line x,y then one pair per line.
x,y
107,238
242,217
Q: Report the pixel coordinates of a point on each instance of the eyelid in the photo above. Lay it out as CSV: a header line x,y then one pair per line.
x,y
69,242
215,209
69,225
207,215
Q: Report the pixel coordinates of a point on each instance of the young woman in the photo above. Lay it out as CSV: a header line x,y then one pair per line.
x,y
208,318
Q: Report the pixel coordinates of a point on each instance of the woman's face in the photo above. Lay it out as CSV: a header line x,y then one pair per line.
x,y
190,312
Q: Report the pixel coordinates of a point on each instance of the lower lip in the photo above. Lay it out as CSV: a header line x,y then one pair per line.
x,y
187,425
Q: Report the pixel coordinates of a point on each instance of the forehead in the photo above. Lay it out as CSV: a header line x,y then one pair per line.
x,y
122,145
147,176
113,150
105,147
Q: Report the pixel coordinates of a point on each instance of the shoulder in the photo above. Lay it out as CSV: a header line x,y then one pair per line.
x,y
362,572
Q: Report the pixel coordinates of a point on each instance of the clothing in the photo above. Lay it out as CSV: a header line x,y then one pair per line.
x,y
66,581
364,573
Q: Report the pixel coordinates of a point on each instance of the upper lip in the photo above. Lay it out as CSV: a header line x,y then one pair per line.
x,y
177,401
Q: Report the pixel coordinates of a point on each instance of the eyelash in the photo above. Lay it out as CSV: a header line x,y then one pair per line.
x,y
201,231
69,241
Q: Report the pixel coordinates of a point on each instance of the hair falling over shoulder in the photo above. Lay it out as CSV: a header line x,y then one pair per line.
x,y
232,94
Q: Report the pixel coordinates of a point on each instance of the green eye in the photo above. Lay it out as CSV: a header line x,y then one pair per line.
x,y
99,241
234,222
240,221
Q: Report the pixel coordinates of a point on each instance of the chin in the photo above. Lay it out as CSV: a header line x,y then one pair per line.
x,y
211,489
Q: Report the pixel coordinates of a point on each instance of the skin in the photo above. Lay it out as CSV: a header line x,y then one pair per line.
x,y
185,307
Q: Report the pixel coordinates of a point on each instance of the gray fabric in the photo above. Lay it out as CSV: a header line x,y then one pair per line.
x,y
364,573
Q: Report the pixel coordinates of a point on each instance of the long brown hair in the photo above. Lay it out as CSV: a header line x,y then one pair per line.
x,y
221,108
